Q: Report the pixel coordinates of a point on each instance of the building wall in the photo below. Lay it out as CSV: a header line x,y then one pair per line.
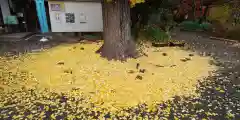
x,y
5,9
84,16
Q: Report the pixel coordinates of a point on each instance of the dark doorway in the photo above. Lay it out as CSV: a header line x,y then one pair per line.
x,y
31,17
1,17
29,22
28,8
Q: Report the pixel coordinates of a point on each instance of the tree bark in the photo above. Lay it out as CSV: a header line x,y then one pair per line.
x,y
118,44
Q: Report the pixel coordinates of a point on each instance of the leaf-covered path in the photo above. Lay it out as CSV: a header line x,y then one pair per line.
x,y
220,99
219,96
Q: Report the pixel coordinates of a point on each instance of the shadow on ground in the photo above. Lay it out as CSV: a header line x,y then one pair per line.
x,y
32,44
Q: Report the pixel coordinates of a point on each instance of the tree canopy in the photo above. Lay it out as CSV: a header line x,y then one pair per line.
x,y
132,2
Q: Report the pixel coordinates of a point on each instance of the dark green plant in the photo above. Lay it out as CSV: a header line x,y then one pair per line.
x,y
159,25
156,34
155,13
194,25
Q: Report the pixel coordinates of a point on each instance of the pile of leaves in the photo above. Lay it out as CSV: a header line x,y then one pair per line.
x,y
72,81
219,99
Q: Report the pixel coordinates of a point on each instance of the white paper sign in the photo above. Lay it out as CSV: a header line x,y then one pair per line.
x,y
58,17
82,18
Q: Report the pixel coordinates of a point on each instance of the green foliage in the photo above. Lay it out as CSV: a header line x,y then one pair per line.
x,y
159,25
132,2
194,25
161,15
155,17
156,34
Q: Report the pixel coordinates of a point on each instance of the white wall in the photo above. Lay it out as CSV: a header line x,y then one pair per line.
x,y
91,10
5,9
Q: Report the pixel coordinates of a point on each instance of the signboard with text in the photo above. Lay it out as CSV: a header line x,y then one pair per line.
x,y
57,6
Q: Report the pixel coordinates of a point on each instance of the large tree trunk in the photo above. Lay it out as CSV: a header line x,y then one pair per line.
x,y
118,44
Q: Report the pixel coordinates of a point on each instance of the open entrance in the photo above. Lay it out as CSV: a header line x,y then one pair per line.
x,y
26,13
21,21
1,17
